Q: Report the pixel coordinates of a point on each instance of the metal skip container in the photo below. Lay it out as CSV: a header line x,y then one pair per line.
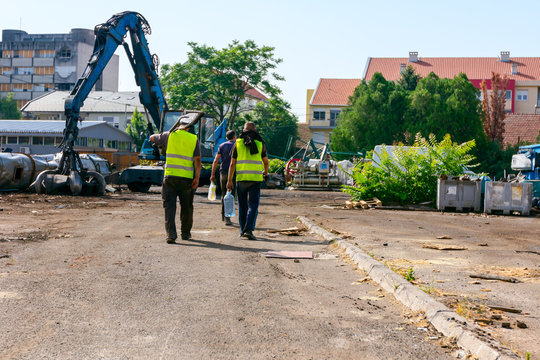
x,y
508,197
18,171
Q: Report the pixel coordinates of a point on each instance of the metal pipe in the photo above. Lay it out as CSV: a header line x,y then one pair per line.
x,y
18,171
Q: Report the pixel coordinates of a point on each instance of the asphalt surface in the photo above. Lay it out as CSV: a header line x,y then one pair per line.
x,y
92,278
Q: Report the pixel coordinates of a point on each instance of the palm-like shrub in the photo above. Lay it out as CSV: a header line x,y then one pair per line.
x,y
409,174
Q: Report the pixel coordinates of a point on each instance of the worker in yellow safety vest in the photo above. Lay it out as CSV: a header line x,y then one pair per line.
x,y
182,171
250,162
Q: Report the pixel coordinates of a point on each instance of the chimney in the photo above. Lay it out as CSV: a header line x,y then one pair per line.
x,y
514,68
505,56
402,68
413,56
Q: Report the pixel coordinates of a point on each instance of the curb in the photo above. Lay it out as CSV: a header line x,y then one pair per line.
x,y
445,320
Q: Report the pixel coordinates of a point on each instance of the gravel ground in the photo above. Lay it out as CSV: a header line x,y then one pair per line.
x,y
92,278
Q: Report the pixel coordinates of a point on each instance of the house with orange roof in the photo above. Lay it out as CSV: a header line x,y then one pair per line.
x,y
325,103
522,121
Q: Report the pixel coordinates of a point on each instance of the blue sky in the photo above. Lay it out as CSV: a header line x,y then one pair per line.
x,y
315,39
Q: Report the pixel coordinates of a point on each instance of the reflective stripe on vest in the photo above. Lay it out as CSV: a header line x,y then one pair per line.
x,y
249,167
180,148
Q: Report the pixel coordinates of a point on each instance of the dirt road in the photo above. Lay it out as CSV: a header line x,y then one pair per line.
x,y
505,247
92,278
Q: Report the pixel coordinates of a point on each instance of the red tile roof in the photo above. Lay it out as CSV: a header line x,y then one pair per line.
x,y
254,93
445,67
334,91
521,127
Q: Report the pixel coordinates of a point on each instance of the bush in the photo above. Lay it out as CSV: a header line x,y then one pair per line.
x,y
409,176
276,166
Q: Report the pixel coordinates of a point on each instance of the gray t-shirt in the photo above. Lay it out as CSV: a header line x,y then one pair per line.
x,y
163,138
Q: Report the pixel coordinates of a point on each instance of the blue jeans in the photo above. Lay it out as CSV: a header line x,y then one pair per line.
x,y
249,194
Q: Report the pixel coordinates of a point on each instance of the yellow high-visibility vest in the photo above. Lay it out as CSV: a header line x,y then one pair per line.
x,y
248,167
179,159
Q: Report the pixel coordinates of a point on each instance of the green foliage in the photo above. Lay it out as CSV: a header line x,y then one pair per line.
x,y
382,112
276,166
216,80
9,109
374,116
409,176
409,275
138,129
409,79
445,106
274,122
495,159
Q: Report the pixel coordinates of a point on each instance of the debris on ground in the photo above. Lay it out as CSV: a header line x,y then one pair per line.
x,y
443,247
283,254
294,231
364,204
494,277
528,251
443,237
505,309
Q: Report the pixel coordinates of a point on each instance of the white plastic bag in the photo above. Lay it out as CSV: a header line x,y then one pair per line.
x,y
212,192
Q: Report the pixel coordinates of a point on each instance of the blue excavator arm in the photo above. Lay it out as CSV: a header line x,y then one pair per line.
x,y
109,36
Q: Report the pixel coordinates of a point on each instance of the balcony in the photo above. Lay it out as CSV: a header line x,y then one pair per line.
x,y
22,62
322,124
43,61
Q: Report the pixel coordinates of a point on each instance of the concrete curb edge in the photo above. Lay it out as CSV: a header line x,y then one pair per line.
x,y
445,320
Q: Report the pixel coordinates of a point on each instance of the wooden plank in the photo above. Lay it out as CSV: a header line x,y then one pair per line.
x,y
495,277
443,247
290,254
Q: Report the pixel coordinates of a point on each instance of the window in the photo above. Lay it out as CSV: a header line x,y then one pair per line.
x,y
64,86
24,140
24,71
319,114
11,140
334,114
522,95
508,95
65,53
113,144
81,141
93,142
37,140
124,145
48,140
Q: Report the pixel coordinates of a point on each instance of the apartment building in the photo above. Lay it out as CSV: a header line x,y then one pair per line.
x,y
33,64
115,108
324,104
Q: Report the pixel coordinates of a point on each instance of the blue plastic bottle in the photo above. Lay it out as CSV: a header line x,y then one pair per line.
x,y
228,202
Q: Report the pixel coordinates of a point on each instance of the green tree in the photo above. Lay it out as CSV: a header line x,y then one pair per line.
x,y
409,79
216,80
446,106
274,122
374,116
9,109
138,129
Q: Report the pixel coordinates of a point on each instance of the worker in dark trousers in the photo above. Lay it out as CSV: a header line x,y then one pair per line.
x,y
182,170
224,154
250,162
